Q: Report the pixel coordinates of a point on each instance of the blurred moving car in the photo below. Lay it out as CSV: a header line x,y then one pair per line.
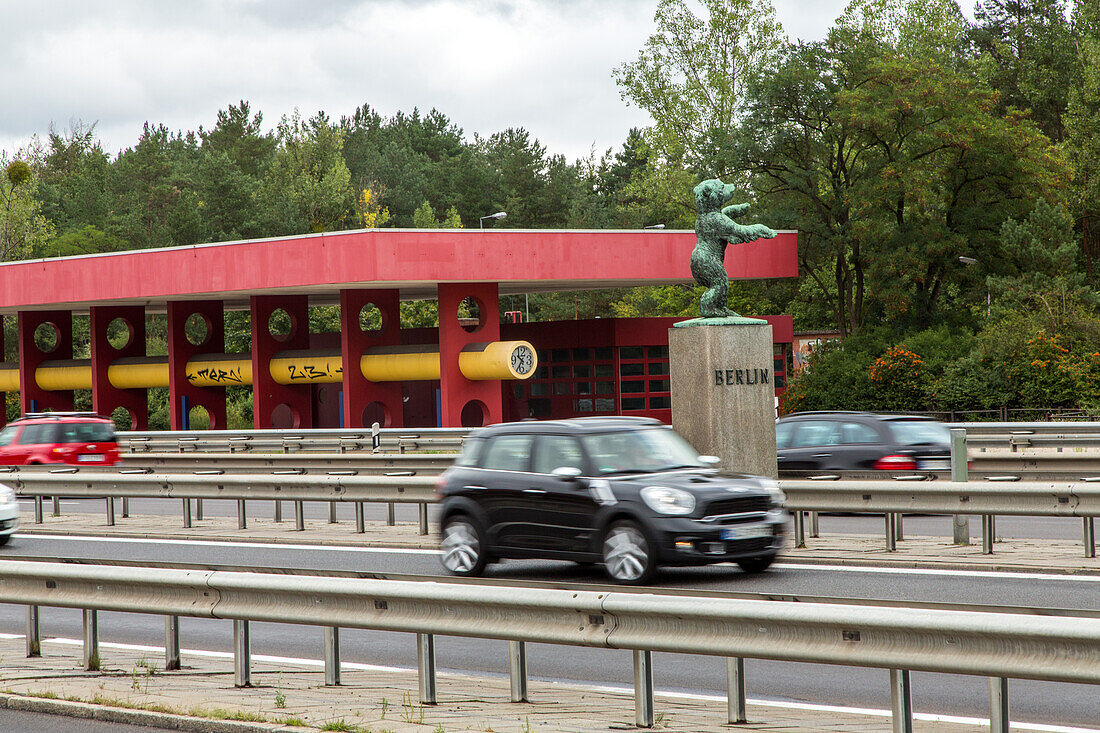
x,y
75,438
861,441
627,492
9,514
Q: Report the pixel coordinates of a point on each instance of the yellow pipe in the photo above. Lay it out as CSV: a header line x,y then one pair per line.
x,y
496,360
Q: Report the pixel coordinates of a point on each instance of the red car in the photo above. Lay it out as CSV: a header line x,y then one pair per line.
x,y
75,438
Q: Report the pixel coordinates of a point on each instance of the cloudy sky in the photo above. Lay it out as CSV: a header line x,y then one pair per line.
x,y
487,64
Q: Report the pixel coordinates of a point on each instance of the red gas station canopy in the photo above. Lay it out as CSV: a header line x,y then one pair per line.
x,y
414,261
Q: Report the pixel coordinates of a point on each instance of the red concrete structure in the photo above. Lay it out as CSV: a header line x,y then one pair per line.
x,y
379,268
366,402
56,326
205,336
105,397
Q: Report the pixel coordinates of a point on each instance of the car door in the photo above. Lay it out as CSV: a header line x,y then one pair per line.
x,y
862,446
8,449
812,445
505,473
566,508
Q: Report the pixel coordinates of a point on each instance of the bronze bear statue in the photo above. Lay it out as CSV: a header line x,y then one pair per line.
x,y
714,229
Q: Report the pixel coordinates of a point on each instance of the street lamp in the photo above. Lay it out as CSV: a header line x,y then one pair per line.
x,y
498,215
655,226
971,261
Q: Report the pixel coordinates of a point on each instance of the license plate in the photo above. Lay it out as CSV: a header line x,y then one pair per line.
x,y
91,458
747,532
934,465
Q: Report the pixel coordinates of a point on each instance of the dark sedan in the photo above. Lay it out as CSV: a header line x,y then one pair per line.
x,y
861,441
627,492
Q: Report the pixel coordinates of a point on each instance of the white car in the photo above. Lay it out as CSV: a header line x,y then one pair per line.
x,y
9,514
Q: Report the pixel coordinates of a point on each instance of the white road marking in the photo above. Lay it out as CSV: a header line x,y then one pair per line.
x,y
784,704
941,572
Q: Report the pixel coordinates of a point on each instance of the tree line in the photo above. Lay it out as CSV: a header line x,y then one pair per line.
x,y
941,172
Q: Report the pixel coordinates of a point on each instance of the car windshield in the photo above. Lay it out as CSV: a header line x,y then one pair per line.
x,y
920,432
86,432
640,451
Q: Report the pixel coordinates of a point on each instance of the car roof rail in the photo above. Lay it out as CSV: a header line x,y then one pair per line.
x,y
55,415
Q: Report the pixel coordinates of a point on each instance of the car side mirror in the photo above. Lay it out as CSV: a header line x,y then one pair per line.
x,y
567,473
710,460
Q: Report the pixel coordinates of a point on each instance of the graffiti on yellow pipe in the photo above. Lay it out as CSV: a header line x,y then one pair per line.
x,y
477,362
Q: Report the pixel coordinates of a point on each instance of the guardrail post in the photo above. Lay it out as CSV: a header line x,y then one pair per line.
x,y
332,512
34,632
360,524
891,532
125,507
425,667
736,707
56,505
1089,534
91,640
171,642
814,528
998,705
517,670
38,510
960,523
901,697
332,655
899,526
187,513
242,515
242,654
423,518
643,688
987,534
391,517
299,516
799,529
110,511
278,511
198,509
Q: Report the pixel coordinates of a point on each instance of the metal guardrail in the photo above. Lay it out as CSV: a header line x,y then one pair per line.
x,y
337,440
361,463
996,644
240,487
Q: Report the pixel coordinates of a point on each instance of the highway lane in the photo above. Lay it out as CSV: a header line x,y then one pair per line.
x,y
1031,701
1058,528
25,722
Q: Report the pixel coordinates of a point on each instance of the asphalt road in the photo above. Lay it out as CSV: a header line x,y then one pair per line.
x,y
1034,702
1061,528
23,722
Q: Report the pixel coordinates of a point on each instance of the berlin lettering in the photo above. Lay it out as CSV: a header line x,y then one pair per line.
x,y
741,376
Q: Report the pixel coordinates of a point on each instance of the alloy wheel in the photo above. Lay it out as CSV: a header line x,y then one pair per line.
x,y
626,554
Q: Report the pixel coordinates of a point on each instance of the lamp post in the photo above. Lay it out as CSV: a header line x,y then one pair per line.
x,y
498,215
971,261
654,226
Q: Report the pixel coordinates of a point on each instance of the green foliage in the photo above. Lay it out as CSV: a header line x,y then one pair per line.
x,y
899,380
22,226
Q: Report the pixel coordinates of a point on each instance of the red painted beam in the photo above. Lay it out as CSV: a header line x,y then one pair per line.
x,y
551,259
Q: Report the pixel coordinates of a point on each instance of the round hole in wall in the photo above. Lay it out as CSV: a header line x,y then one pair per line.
x,y
197,329
285,416
281,325
120,333
47,336
376,412
199,419
370,318
123,418
471,314
474,414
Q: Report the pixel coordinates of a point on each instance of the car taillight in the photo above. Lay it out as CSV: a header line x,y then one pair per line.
x,y
896,463
58,451
439,484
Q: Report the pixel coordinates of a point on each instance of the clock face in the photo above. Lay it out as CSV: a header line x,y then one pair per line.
x,y
523,359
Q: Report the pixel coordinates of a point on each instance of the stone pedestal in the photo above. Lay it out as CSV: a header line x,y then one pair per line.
x,y
723,394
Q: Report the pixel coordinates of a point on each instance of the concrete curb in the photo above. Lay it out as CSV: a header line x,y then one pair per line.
x,y
932,565
132,716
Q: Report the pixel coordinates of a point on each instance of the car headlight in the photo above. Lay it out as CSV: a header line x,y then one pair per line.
x,y
664,500
776,493
7,494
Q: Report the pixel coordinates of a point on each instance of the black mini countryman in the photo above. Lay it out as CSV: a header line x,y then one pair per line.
x,y
627,492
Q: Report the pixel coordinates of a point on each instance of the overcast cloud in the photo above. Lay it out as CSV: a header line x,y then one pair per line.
x,y
487,64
